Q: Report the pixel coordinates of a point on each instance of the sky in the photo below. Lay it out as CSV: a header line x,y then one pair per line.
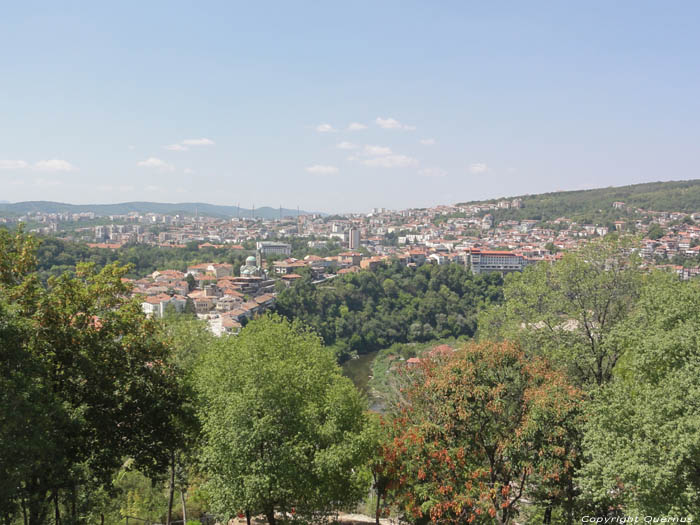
x,y
343,106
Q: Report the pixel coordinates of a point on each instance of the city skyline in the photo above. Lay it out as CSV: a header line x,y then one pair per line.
x,y
343,108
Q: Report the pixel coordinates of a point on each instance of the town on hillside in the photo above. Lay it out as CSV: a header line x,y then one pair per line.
x,y
227,296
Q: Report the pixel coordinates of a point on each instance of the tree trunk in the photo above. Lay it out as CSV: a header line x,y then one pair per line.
x,y
547,515
24,511
247,517
172,488
270,515
36,507
184,507
57,513
102,519
570,503
376,510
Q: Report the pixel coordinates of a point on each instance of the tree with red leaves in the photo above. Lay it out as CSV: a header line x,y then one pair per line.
x,y
478,432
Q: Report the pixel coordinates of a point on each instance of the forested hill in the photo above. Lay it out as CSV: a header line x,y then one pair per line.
x,y
184,208
370,310
682,196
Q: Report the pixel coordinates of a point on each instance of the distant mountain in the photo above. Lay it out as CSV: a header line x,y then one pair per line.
x,y
597,204
183,208
4,202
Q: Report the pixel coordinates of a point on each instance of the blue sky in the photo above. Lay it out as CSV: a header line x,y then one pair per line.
x,y
253,102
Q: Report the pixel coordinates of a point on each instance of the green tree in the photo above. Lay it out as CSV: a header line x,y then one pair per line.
x,y
567,310
189,339
282,426
655,232
643,434
92,378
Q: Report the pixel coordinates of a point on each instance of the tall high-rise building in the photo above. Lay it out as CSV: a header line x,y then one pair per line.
x,y
354,239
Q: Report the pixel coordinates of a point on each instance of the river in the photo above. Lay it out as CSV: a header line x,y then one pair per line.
x,y
359,371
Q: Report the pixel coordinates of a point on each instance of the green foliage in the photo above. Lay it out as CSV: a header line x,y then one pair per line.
x,y
139,497
56,256
566,311
282,426
643,434
655,231
86,381
384,380
369,310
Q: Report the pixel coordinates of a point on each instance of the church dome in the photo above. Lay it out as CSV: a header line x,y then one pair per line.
x,y
250,260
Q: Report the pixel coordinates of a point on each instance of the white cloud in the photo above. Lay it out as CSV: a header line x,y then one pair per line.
x,y
152,188
392,123
324,128
183,145
377,150
198,142
176,147
478,167
427,142
13,164
156,163
432,172
188,171
356,126
54,165
132,147
320,169
390,161
346,145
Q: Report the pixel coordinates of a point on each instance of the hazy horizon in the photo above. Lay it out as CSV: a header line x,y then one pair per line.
x,y
342,108
245,208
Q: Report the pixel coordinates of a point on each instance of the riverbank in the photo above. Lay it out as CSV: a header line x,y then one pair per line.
x,y
373,373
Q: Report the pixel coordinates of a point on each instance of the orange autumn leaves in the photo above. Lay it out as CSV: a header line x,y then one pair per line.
x,y
477,432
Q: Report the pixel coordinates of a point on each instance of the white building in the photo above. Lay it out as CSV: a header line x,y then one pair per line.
x,y
274,248
485,261
156,305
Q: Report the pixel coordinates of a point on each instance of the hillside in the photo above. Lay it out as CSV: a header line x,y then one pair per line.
x,y
186,208
589,205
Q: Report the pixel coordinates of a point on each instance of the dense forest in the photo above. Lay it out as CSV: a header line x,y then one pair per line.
x,y
596,205
369,310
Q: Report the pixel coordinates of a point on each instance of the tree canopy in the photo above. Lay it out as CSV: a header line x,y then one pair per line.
x,y
282,427
567,310
369,310
85,382
477,432
643,433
